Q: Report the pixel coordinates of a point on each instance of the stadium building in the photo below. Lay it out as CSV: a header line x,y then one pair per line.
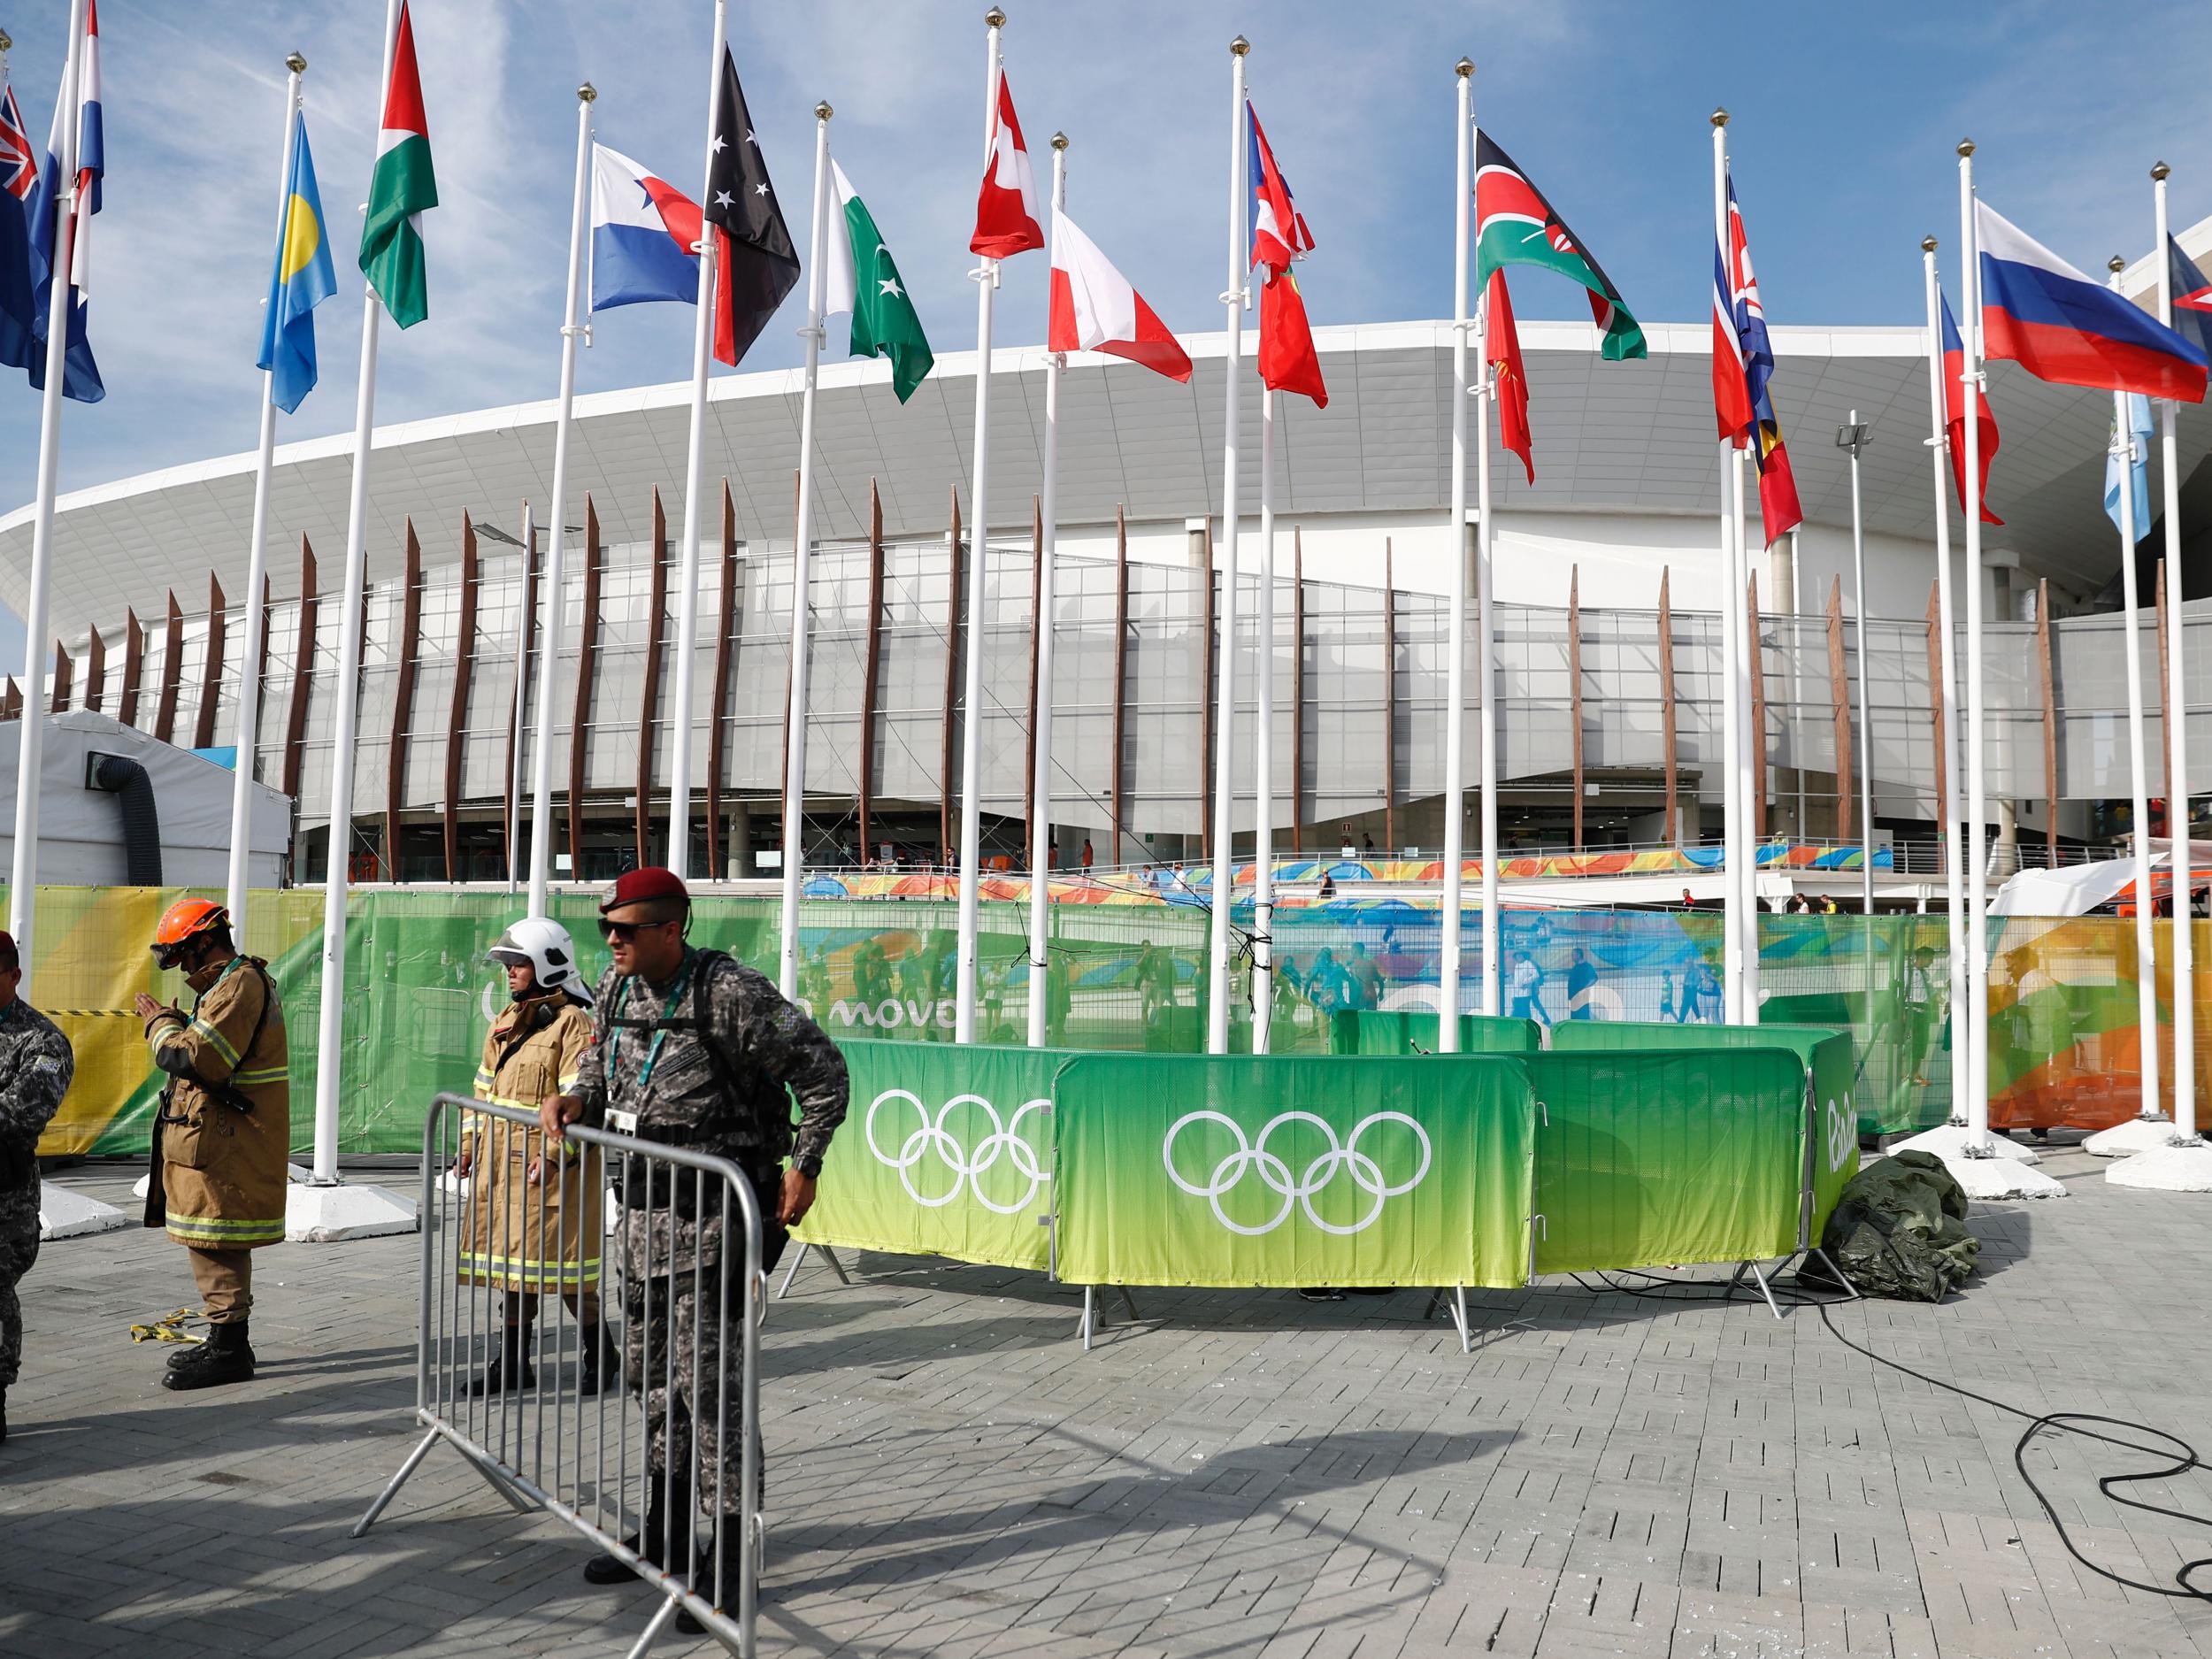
x,y
1606,580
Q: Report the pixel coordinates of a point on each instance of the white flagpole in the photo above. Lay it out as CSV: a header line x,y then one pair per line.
x,y
1448,961
23,879
1486,642
1743,627
1953,850
2178,736
330,1024
680,708
529,539
1224,804
802,570
1263,743
1977,770
2139,763
1732,885
986,277
1040,788
572,331
247,734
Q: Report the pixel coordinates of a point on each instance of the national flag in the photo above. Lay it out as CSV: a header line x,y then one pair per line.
x,y
1287,361
402,189
1006,205
80,374
301,279
863,279
758,263
1502,343
1954,416
1515,225
1778,508
637,252
2139,436
1095,308
2060,327
1279,231
1731,390
2192,294
18,180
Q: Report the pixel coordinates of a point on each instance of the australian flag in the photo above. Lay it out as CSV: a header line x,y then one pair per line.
x,y
80,376
758,263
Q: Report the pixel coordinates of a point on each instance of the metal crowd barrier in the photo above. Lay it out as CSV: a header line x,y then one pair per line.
x,y
548,1447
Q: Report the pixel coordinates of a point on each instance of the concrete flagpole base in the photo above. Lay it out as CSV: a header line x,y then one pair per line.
x,y
1951,1141
2124,1141
1987,1180
2185,1168
328,1215
63,1213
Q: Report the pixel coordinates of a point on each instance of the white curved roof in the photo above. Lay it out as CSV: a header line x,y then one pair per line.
x,y
1631,436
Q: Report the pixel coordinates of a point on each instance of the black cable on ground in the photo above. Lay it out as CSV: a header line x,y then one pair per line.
x,y
2182,1455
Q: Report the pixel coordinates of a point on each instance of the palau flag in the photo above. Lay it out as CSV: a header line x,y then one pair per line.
x,y
302,280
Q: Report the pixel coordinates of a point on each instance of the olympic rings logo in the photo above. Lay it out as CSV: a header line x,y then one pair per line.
x,y
1275,1173
931,1137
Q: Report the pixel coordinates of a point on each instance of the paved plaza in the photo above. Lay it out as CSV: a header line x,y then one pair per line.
x,y
1236,1473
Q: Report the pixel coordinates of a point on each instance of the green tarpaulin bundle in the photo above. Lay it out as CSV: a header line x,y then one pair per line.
x,y
1900,1229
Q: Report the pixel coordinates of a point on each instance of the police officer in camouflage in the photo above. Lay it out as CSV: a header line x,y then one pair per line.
x,y
35,1066
690,1048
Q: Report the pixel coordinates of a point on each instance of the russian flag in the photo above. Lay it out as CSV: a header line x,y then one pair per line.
x,y
636,252
2060,327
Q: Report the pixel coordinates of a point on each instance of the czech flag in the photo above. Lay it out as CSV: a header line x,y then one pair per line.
x,y
2059,325
1954,416
80,374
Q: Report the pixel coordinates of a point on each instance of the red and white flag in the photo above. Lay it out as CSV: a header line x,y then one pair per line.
x,y
1095,308
1287,361
1006,207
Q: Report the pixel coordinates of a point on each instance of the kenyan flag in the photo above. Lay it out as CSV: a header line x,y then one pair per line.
x,y
1515,225
403,185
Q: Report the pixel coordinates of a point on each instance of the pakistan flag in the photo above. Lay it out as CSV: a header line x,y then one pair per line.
x,y
864,278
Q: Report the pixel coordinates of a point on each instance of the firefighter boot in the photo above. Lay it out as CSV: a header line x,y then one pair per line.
x,y
227,1356
596,1350
509,1368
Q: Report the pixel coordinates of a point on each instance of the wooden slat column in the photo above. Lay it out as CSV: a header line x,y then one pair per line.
x,y
586,674
1839,701
870,673
1935,681
1297,690
1390,704
212,667
134,667
456,717
952,682
1574,688
403,699
64,672
95,670
1756,656
302,675
1117,773
2050,718
649,700
171,672
717,714
1666,710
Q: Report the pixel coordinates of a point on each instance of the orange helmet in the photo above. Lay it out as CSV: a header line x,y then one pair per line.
x,y
181,923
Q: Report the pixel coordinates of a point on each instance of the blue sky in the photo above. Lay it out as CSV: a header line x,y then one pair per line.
x,y
1844,124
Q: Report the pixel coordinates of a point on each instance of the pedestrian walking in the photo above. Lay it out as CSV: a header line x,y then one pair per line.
x,y
223,1130
35,1066
532,1221
691,1049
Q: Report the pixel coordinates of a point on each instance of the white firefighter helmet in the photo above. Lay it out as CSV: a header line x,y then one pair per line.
x,y
547,949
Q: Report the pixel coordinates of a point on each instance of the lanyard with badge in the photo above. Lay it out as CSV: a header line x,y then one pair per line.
x,y
625,1123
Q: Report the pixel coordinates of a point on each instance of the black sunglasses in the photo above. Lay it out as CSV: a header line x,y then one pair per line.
x,y
627,931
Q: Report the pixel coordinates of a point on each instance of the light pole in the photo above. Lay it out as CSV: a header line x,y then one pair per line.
x,y
1852,437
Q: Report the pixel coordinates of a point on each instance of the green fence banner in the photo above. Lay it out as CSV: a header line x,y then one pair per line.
x,y
1647,1158
1414,1031
944,1151
1293,1171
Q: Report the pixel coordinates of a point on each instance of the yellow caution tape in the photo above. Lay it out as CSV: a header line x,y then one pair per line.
x,y
171,1328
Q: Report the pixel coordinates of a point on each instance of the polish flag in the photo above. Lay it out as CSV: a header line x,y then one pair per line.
x,y
1006,207
1095,308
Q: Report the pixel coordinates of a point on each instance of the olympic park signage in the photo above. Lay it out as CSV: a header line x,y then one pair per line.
x,y
1238,1171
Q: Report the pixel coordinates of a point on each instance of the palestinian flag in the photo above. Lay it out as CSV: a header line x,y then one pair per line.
x,y
401,188
1515,225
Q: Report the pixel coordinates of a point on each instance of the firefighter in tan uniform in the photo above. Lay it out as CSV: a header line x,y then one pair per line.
x,y
223,1130
531,1225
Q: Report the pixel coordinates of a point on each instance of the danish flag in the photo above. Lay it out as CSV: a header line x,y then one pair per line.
x,y
1006,206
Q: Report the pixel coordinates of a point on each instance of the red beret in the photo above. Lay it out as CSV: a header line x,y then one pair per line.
x,y
637,886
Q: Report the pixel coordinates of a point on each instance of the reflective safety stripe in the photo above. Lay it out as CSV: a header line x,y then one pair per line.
x,y
473,1263
254,1079
215,1038
223,1230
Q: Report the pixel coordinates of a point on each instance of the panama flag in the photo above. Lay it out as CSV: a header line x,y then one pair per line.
x,y
862,278
1279,230
80,374
400,190
1006,206
1515,225
1095,308
19,179
637,254
302,281
2060,327
1955,416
